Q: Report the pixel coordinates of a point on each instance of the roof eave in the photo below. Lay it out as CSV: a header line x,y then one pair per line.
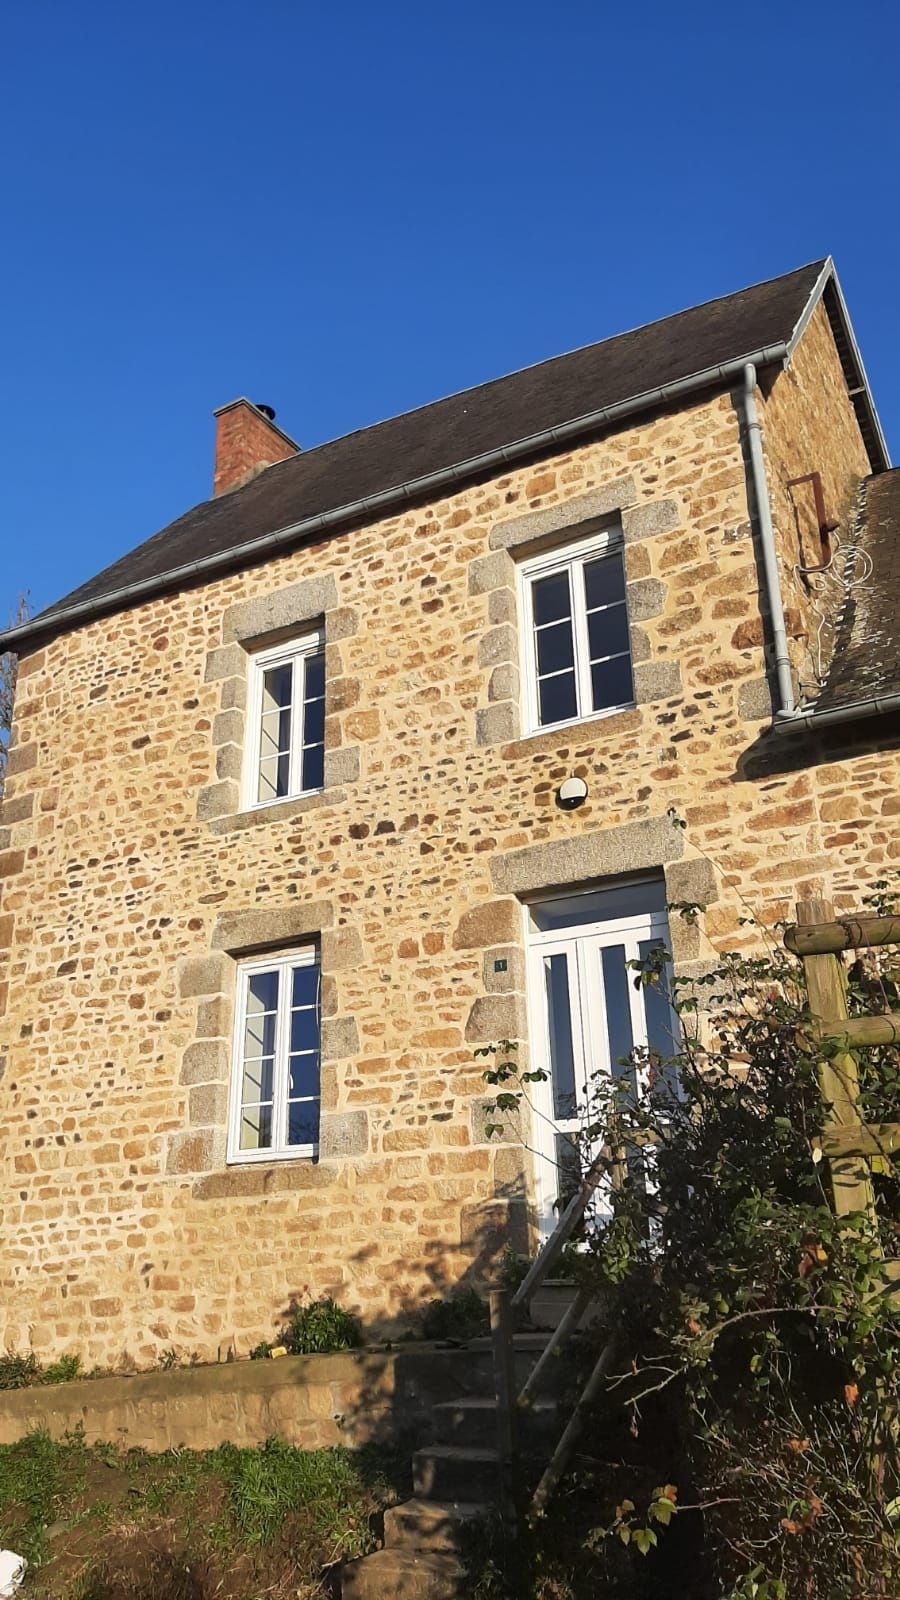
x,y
872,705
246,554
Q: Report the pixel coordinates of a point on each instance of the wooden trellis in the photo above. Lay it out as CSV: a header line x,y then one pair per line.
x,y
849,1142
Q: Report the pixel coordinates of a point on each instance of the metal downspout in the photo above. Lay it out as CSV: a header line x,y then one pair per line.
x,y
786,702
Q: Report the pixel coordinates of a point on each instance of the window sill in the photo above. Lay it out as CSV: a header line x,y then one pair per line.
x,y
264,1158
573,733
277,811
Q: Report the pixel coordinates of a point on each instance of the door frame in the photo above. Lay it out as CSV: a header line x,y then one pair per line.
x,y
589,1020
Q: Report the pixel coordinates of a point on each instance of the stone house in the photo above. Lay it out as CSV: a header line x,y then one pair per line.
x,y
290,826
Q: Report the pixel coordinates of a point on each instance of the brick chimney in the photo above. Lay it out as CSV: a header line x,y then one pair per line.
x,y
247,441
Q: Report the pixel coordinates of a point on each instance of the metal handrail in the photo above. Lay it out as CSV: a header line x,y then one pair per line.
x,y
564,1229
503,1306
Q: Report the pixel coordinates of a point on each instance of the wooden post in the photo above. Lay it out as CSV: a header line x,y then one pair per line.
x,y
826,985
505,1393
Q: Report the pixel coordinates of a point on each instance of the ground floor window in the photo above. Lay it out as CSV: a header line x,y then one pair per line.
x,y
275,1088
588,1017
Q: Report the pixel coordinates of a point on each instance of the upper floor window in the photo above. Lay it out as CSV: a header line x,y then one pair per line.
x,y
577,652
286,754
276,1085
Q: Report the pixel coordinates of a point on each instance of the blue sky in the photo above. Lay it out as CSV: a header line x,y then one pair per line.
x,y
346,210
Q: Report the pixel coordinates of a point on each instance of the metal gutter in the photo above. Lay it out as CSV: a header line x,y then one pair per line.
x,y
388,499
771,574
874,705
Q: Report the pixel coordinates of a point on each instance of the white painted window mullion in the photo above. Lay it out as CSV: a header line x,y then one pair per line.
x,y
582,645
282,1050
298,700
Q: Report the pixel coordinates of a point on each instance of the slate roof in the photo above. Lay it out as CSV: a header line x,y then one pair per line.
x,y
331,485
866,659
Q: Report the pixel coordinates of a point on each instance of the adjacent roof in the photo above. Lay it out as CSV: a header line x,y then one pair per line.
x,y
481,429
866,663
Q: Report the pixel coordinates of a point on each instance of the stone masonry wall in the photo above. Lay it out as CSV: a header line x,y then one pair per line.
x,y
809,425
128,887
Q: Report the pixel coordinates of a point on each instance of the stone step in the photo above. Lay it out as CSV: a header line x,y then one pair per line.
x,y
552,1300
430,1524
472,1421
404,1575
450,1472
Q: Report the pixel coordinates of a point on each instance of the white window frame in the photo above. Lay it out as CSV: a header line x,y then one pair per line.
x,y
569,558
294,652
279,1150
587,998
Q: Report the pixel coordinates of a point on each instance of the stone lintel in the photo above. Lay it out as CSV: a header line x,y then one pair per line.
x,y
268,616
567,517
609,852
263,928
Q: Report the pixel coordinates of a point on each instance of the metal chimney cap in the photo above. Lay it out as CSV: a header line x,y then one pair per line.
x,y
268,412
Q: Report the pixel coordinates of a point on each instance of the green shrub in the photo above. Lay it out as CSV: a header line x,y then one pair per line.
x,y
463,1315
62,1371
18,1372
321,1327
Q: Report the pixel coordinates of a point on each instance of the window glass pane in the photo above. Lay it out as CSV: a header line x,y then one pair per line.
x,y
637,898
256,1128
604,580
314,684
303,1076
305,985
259,1075
608,632
313,774
262,992
557,698
611,683
550,598
555,649
314,721
661,1035
303,1122
559,1022
305,1029
277,685
615,975
274,777
259,1035
275,733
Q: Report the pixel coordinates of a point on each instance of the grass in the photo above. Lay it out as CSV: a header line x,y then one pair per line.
x,y
99,1523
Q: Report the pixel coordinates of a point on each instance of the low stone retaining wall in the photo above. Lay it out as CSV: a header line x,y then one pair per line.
x,y
312,1401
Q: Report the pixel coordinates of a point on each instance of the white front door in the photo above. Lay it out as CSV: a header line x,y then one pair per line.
x,y
586,1013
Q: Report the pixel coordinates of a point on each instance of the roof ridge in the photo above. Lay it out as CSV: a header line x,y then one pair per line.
x,y
561,355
